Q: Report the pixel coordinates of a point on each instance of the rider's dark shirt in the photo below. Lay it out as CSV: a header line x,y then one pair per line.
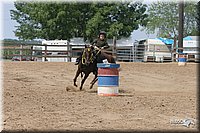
x,y
100,43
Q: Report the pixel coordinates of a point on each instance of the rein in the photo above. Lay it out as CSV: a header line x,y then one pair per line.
x,y
99,50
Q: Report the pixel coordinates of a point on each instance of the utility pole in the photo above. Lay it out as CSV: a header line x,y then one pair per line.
x,y
181,57
180,28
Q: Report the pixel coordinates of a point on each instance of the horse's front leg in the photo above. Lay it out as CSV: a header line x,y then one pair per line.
x,y
75,78
93,83
82,82
93,78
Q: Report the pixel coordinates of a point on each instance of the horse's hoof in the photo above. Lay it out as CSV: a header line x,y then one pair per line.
x,y
75,85
91,86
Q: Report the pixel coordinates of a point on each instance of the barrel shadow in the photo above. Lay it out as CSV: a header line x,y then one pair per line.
x,y
126,95
122,93
93,91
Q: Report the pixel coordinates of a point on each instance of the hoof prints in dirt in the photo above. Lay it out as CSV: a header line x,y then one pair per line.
x,y
24,79
71,88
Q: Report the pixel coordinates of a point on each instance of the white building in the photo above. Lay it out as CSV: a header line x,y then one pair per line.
x,y
53,51
152,50
75,44
126,50
191,48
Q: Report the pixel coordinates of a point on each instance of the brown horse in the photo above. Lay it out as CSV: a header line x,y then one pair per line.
x,y
88,64
103,55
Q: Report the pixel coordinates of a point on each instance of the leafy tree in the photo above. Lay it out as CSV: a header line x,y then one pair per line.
x,y
118,19
43,20
63,20
163,16
198,18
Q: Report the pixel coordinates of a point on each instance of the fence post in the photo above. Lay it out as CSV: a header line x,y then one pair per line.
x,y
31,52
45,53
174,50
154,47
21,49
114,48
69,53
7,54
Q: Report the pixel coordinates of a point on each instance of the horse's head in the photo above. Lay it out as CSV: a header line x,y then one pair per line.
x,y
87,56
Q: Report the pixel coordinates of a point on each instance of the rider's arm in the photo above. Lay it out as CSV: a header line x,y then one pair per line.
x,y
105,46
94,42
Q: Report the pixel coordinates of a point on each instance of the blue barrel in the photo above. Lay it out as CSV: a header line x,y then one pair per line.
x,y
108,79
182,59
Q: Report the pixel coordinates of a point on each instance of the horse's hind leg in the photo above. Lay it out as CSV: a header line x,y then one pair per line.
x,y
108,57
77,74
82,82
111,59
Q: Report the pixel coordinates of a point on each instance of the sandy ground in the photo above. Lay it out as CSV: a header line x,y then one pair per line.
x,y
152,96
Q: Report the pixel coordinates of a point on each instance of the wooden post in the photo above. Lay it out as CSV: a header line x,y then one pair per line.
x,y
69,53
21,52
13,51
130,50
181,26
31,52
114,48
154,53
133,51
173,53
7,54
45,53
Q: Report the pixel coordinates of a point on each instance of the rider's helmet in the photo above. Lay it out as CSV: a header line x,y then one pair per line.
x,y
102,33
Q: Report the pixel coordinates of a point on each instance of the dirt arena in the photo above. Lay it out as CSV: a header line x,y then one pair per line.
x,y
153,96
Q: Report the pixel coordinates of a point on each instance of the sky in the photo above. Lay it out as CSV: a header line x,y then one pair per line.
x,y
8,25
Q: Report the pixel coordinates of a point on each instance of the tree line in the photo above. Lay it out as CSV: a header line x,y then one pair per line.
x,y
66,20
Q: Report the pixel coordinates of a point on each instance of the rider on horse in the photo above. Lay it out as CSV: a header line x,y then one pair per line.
x,y
100,43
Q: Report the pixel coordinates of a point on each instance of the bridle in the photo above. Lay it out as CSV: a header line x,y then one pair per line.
x,y
84,56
